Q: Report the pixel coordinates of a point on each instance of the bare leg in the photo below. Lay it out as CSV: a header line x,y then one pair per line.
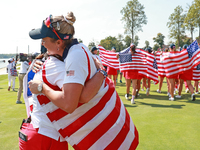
x,y
172,84
190,87
180,86
196,84
128,84
114,79
134,85
160,83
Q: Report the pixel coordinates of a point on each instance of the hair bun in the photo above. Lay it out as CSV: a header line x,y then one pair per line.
x,y
70,18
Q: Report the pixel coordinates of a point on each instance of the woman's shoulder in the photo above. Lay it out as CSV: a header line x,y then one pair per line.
x,y
77,51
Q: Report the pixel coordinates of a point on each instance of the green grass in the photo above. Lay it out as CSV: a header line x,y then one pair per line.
x,y
162,124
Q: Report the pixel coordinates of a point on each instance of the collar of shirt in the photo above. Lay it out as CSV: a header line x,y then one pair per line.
x,y
74,41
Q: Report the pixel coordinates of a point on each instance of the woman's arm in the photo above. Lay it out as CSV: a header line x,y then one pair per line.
x,y
78,93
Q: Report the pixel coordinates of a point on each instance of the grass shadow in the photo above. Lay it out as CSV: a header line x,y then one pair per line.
x,y
131,105
163,106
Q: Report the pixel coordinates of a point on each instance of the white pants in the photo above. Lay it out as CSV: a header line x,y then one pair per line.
x,y
13,80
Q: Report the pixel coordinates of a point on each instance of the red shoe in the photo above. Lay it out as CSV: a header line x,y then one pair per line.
x,y
9,88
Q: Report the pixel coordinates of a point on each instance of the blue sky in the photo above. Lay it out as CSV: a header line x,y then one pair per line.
x,y
96,20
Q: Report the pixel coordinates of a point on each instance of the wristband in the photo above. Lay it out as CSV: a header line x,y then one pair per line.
x,y
103,72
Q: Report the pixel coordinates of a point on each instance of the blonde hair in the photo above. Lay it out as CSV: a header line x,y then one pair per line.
x,y
65,24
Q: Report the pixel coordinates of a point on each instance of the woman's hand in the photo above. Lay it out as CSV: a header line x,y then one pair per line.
x,y
37,66
33,86
117,56
98,64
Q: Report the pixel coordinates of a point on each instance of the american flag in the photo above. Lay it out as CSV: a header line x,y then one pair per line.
x,y
108,58
192,48
142,61
132,62
196,73
161,69
151,71
178,62
125,56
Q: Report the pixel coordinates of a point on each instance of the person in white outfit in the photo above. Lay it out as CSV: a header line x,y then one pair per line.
x,y
22,72
10,77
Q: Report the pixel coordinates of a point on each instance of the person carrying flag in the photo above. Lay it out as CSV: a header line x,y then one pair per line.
x,y
186,76
112,72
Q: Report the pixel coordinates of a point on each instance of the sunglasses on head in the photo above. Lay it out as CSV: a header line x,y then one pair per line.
x,y
48,23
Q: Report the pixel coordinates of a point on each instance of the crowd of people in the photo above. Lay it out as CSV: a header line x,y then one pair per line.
x,y
174,81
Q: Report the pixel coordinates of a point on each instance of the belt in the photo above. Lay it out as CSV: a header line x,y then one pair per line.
x,y
22,73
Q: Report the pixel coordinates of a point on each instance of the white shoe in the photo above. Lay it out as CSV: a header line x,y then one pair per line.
x,y
132,101
127,96
178,96
187,90
158,91
193,97
169,94
147,92
171,99
197,92
142,89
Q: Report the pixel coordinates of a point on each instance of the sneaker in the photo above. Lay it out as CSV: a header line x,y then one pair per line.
x,y
13,90
158,91
197,92
187,90
169,94
174,92
18,102
171,99
147,92
132,101
193,97
127,96
178,96
9,88
142,89
120,81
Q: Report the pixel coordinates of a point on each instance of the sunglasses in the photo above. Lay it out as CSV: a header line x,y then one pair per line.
x,y
49,25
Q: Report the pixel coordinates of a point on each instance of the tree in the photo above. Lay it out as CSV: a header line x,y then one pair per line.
x,y
136,40
109,42
190,23
155,47
91,44
120,45
127,41
80,41
134,17
159,39
176,25
196,11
